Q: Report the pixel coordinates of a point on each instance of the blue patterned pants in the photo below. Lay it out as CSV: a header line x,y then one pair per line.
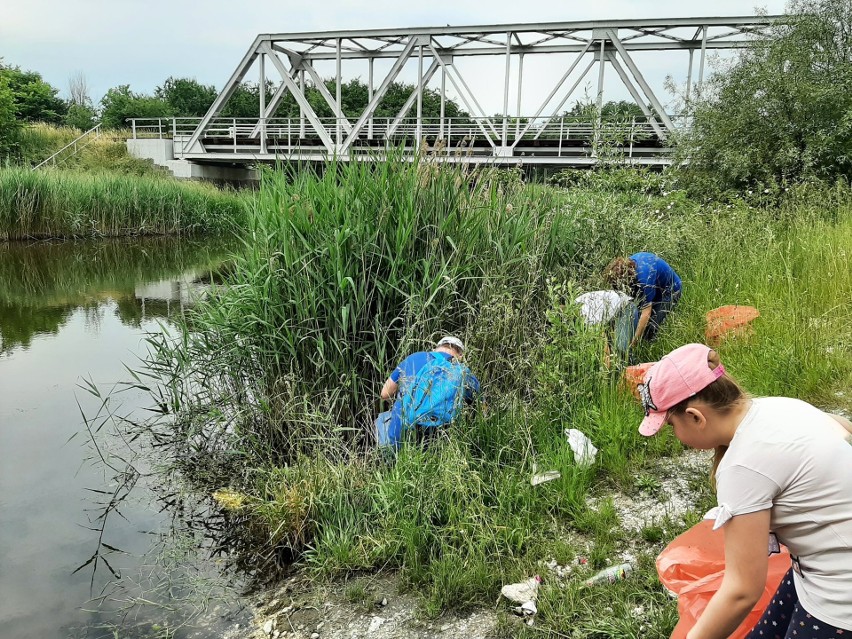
x,y
784,618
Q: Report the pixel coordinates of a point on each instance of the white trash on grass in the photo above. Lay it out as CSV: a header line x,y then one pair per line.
x,y
523,591
584,450
544,477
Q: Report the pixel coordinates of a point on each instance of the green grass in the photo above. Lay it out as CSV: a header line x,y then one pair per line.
x,y
345,273
51,203
104,154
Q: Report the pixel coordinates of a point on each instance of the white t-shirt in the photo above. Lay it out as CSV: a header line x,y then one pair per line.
x,y
600,307
793,458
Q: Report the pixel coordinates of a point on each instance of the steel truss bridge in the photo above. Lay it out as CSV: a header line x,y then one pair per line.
x,y
581,50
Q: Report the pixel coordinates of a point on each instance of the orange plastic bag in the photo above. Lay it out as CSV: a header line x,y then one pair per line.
x,y
727,321
692,567
635,375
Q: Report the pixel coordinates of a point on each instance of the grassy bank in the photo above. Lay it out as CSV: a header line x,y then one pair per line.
x,y
53,203
275,384
106,153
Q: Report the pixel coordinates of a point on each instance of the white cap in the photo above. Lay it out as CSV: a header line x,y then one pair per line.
x,y
449,340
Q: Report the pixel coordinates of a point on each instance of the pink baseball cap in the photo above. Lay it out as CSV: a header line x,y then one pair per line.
x,y
676,377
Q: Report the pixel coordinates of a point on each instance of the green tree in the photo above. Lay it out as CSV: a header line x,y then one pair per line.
x,y
245,101
186,96
80,116
783,112
35,99
354,96
9,124
612,111
120,103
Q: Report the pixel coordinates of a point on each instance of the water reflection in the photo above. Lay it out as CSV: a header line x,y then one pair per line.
x,y
42,284
72,311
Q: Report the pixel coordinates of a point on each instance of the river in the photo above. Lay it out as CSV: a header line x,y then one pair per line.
x,y
73,314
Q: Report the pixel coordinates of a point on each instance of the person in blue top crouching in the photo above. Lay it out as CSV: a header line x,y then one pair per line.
x,y
429,388
654,285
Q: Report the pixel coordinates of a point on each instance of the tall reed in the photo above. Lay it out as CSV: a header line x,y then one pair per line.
x,y
63,204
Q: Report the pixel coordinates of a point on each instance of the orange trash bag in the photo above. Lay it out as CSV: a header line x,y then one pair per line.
x,y
692,567
726,321
635,375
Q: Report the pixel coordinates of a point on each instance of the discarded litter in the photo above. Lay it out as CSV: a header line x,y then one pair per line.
x,y
727,321
522,591
560,572
584,449
542,478
635,375
528,610
610,575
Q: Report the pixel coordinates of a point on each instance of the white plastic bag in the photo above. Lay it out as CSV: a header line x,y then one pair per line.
x,y
584,450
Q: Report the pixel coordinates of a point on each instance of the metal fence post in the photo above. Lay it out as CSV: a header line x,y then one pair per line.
x,y
160,128
632,129
234,130
561,124
133,126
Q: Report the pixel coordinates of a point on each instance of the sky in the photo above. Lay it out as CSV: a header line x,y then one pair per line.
x,y
143,42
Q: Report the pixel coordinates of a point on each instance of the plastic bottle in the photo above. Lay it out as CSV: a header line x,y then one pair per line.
x,y
610,575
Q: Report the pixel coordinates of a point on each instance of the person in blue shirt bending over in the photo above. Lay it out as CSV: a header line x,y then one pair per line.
x,y
652,283
429,390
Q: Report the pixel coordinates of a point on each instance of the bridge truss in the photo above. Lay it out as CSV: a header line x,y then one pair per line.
x,y
585,51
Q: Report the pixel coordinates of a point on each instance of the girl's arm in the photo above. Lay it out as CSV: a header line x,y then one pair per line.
x,y
746,563
644,317
842,421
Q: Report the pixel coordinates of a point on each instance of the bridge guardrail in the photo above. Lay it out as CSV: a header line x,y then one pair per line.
x,y
234,135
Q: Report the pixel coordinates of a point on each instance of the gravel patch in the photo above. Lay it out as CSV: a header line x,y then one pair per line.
x,y
671,496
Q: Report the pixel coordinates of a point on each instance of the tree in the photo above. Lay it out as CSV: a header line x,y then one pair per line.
x,y
8,122
783,111
613,111
245,101
35,99
80,116
120,103
78,90
186,96
354,96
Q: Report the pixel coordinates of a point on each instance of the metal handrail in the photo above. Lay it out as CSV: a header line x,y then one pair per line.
x,y
234,136
97,131
228,126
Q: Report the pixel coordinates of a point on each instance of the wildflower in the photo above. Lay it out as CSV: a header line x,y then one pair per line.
x,y
229,499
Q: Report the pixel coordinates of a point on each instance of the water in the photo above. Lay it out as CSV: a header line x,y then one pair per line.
x,y
71,312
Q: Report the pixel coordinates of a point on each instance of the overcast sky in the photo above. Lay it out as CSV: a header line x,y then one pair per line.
x,y
142,42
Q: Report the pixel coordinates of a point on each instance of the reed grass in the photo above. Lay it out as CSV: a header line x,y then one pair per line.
x,y
52,203
273,385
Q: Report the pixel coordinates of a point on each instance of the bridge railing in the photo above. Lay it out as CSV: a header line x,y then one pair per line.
x,y
562,135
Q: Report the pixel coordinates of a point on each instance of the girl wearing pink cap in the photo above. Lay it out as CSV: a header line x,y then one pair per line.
x,y
782,468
